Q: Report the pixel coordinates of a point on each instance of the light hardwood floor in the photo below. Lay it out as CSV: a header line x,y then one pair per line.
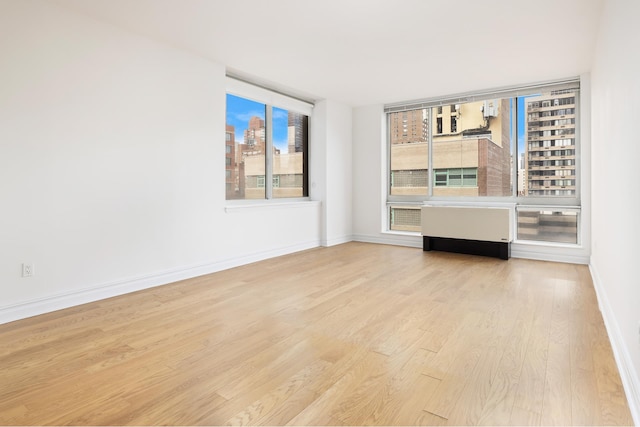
x,y
348,335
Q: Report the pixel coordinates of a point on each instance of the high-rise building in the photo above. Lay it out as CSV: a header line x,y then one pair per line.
x,y
296,132
230,159
522,181
409,127
254,135
550,135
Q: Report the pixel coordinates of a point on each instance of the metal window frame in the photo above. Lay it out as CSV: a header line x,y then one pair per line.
x,y
512,92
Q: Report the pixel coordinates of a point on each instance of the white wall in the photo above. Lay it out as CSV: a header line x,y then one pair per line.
x,y
111,175
331,169
370,180
615,195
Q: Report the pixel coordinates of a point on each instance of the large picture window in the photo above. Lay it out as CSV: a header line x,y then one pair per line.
x,y
266,146
519,145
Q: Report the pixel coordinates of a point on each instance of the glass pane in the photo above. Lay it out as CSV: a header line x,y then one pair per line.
x,y
548,226
455,177
441,178
289,152
408,133
245,148
548,121
474,137
470,177
404,218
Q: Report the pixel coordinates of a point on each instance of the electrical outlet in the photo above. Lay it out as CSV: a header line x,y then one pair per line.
x,y
27,270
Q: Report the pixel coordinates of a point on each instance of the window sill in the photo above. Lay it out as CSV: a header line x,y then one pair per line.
x,y
251,205
402,233
540,243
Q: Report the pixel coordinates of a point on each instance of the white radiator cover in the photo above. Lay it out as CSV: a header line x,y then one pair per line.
x,y
471,223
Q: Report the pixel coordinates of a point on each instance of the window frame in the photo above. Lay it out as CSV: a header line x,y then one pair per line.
x,y
272,98
573,203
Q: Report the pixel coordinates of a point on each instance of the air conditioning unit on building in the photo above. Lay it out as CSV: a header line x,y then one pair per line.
x,y
490,108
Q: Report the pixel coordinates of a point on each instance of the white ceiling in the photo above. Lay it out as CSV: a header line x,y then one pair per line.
x,y
362,52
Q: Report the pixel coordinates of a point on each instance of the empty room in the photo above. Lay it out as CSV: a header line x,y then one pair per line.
x,y
285,212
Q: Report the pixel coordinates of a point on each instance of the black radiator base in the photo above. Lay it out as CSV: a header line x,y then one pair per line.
x,y
500,250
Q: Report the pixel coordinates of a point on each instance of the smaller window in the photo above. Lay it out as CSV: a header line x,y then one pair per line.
x,y
456,177
439,124
441,178
454,125
469,177
260,181
404,218
550,224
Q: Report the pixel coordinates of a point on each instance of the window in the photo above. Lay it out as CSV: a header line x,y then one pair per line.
x,y
477,160
456,177
552,225
404,218
270,142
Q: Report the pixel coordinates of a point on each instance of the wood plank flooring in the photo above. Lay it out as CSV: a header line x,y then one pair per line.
x,y
356,334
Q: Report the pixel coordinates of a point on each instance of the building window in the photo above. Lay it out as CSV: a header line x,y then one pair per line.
x,y
456,177
268,140
507,145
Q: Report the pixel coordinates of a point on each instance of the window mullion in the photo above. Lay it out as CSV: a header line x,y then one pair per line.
x,y
268,155
431,176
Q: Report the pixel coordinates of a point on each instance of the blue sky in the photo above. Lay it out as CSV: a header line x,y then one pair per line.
x,y
520,120
521,113
240,110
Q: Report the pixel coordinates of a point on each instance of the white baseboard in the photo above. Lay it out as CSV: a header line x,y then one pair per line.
x,y
332,241
628,374
526,252
39,306
391,239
